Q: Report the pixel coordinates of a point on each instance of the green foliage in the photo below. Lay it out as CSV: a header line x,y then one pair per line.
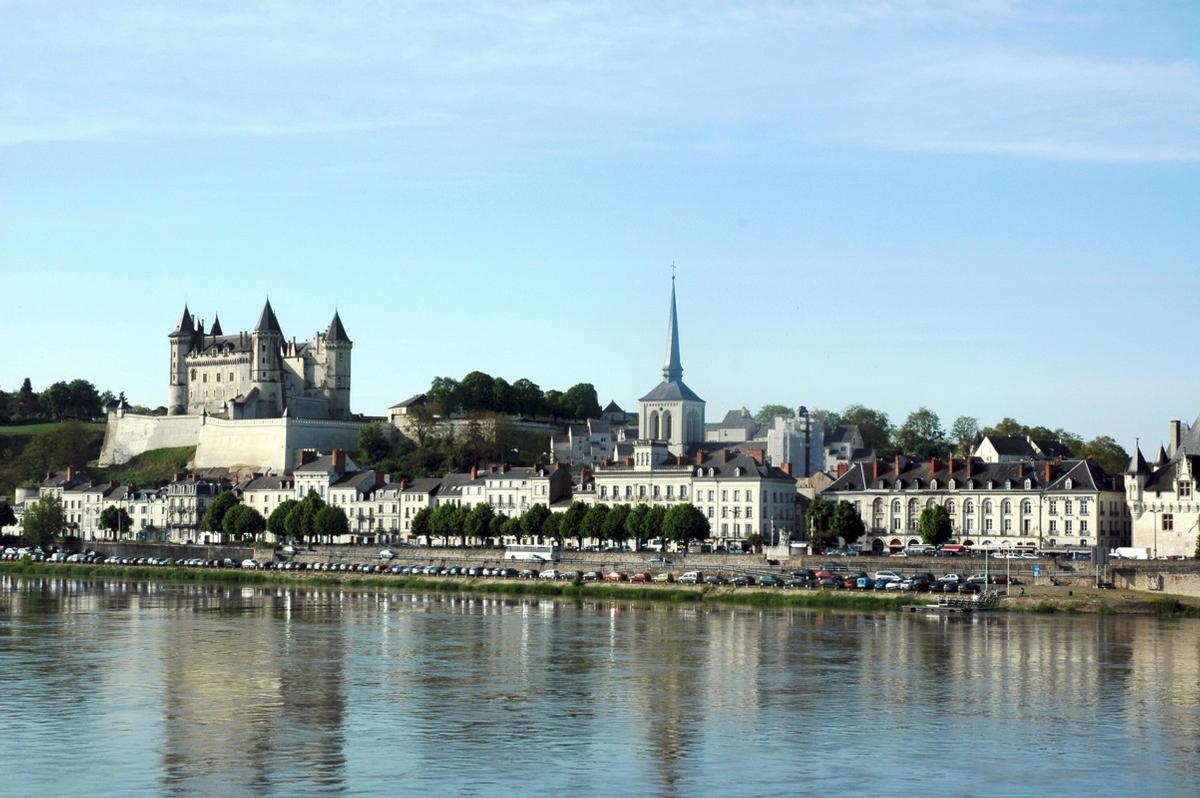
x,y
214,517
43,521
654,521
301,521
7,516
934,525
684,524
511,528
614,523
478,392
635,522
846,523
149,469
422,525
571,525
277,521
818,517
533,520
552,528
373,444
755,541
963,433
243,523
765,417
921,435
331,523
1107,454
444,522
77,400
114,519
478,523
874,426
591,527
28,452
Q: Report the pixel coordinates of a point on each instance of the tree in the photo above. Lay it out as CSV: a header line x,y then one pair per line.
x,y
243,523
653,522
421,525
684,523
1005,426
511,528
1107,453
755,541
277,521
43,521
934,525
301,519
215,516
372,442
635,521
7,516
114,519
331,523
592,525
552,528
614,524
478,522
533,519
526,397
873,425
766,415
818,517
921,436
444,395
580,401
963,433
475,392
443,522
846,523
572,522
496,528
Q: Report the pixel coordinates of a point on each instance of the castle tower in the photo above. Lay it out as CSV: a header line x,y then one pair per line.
x,y
337,368
181,344
672,412
266,363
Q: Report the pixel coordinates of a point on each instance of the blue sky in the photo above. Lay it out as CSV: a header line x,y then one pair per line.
x,y
987,207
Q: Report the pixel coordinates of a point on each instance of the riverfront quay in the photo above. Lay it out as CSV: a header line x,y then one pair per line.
x,y
1036,599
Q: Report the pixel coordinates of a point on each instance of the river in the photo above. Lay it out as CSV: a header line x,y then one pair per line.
x,y
112,687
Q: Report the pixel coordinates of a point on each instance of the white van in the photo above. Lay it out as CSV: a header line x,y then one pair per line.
x,y
691,578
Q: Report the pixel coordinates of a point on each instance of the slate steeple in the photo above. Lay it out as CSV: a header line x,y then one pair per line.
x,y
185,326
336,331
216,328
267,321
673,369
1137,463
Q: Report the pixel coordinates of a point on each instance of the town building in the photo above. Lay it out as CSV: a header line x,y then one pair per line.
x,y
1015,448
672,412
799,441
1065,504
844,446
1162,497
738,426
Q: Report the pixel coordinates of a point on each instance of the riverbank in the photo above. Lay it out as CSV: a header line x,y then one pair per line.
x,y
1035,600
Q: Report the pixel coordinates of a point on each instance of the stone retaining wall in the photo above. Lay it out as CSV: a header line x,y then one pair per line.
x,y
116,549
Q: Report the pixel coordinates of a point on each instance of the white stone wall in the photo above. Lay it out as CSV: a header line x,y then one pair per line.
x,y
128,435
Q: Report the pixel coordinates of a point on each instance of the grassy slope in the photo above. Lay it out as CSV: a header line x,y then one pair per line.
x,y
33,430
149,468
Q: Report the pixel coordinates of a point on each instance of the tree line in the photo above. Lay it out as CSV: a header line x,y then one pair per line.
x,y
922,434
616,524
480,392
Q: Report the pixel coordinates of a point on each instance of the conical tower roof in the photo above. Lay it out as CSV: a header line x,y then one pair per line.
x,y
216,328
1137,463
267,321
185,325
1162,458
336,331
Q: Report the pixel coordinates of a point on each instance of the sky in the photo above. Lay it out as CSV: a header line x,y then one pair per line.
x,y
987,208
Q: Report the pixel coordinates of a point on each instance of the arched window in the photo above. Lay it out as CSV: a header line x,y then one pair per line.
x,y
1006,507
950,507
968,506
913,506
1068,483
933,484
877,506
896,507
1026,507
930,503
987,507
1028,484
653,425
666,425
952,484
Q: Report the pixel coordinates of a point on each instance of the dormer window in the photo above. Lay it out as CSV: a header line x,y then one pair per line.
x,y
953,484
970,484
933,484
991,485
1028,484
1067,484
1185,489
1008,484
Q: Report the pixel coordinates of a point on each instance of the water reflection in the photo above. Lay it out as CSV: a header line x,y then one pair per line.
x,y
188,690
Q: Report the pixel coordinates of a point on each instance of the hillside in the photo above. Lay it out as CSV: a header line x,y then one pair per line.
x,y
28,451
148,469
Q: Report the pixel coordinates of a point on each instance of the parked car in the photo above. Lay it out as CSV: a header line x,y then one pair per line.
x,y
387,554
798,581
770,580
715,579
889,575
592,576
251,564
641,576
551,573
615,576
741,580
665,576
692,578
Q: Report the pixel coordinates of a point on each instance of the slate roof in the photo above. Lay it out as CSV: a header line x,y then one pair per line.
x,y
185,326
1084,474
671,391
1011,445
267,321
612,407
269,482
336,331
415,399
843,433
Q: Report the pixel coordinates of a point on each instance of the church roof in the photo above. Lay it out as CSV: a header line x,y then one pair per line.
x,y
267,321
671,391
336,331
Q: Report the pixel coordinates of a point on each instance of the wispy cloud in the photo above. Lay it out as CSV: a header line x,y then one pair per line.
x,y
921,75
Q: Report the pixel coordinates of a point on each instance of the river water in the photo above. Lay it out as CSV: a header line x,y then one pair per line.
x,y
126,688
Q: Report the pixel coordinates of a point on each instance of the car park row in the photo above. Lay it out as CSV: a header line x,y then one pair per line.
x,y
831,576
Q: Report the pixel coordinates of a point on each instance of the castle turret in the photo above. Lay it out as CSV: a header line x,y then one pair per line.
x,y
182,340
337,368
266,364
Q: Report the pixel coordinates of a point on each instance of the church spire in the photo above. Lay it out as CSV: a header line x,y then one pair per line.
x,y
673,369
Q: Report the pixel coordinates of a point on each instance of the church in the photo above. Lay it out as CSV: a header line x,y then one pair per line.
x,y
258,373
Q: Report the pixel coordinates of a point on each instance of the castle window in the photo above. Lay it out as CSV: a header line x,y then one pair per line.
x,y
1168,522
193,374
218,376
1185,489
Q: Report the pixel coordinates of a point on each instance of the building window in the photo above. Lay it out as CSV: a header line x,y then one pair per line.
x,y
1053,528
1067,506
1068,527
1168,522
1053,507
1083,506
1185,490
1083,528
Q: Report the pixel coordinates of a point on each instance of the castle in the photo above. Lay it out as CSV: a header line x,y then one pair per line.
x,y
258,374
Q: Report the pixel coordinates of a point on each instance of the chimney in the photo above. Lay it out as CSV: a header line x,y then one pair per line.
x,y
680,460
1020,469
474,472
841,470
724,456
950,467
758,454
112,483
380,479
339,461
49,475
875,469
307,456
585,474
176,477
504,468
786,467
492,468
565,467
1049,473
629,462
970,467
700,457
897,465
1176,437
403,484
70,473
933,465
234,481
606,462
